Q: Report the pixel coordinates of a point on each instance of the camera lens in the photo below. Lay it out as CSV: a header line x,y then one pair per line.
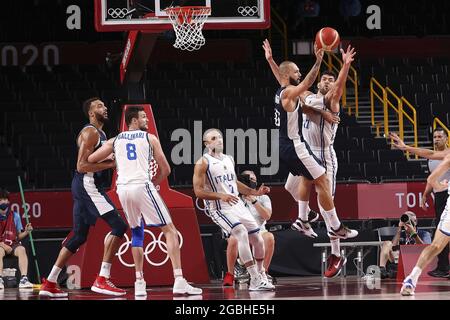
x,y
404,218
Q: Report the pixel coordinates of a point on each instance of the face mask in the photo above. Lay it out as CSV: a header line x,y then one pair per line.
x,y
4,206
253,184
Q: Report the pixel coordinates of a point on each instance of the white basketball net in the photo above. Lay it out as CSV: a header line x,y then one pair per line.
x,y
188,24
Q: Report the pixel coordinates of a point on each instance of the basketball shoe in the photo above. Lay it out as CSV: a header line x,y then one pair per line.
x,y
408,287
334,265
259,284
265,279
105,286
25,283
343,232
313,216
140,287
181,286
228,280
304,227
50,289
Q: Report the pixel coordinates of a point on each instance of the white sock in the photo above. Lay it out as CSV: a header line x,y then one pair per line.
x,y
139,275
303,210
325,218
260,265
415,274
177,273
333,219
105,270
335,243
253,271
53,276
335,247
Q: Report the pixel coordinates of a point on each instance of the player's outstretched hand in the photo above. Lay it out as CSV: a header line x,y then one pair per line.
x,y
267,49
397,142
318,52
229,198
348,56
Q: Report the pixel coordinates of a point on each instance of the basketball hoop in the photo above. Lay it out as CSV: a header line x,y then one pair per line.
x,y
188,23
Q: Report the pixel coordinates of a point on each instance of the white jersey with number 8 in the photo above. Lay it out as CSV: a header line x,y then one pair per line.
x,y
133,153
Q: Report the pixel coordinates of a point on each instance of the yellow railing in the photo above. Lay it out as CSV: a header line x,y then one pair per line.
x,y
398,108
437,122
331,60
277,22
413,121
381,97
390,100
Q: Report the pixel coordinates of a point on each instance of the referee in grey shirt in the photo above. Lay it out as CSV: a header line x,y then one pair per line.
x,y
440,139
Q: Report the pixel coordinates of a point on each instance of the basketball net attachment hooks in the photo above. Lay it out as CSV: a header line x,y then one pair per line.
x,y
188,23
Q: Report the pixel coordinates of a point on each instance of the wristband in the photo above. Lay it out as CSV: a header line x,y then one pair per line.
x,y
253,202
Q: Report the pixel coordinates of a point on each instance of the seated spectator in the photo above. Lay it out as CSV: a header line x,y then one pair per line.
x,y
261,209
407,234
11,233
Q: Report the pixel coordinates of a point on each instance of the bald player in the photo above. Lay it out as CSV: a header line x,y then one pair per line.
x,y
319,131
215,182
295,152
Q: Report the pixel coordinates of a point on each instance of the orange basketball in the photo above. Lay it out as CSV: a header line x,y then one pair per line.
x,y
328,39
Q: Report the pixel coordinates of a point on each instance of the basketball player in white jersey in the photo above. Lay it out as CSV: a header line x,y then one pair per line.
x,y
442,235
216,183
295,152
133,151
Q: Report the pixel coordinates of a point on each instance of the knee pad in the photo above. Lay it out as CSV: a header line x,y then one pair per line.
x,y
240,233
75,242
116,222
137,236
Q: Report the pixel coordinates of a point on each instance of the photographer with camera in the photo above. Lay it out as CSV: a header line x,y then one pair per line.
x,y
407,234
261,209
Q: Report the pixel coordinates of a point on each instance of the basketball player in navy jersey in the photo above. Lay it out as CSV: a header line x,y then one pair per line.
x,y
89,203
216,183
295,152
319,133
134,150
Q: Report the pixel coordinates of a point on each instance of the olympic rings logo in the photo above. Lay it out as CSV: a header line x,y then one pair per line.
x,y
151,246
247,11
120,13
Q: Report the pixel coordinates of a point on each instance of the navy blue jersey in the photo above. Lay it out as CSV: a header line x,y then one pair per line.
x,y
100,177
289,123
90,199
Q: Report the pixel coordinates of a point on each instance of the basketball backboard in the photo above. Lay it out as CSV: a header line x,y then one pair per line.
x,y
149,15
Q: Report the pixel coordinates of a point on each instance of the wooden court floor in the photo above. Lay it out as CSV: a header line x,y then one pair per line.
x,y
287,288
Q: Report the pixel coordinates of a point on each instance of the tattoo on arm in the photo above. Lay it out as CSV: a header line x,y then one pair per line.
x,y
312,74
